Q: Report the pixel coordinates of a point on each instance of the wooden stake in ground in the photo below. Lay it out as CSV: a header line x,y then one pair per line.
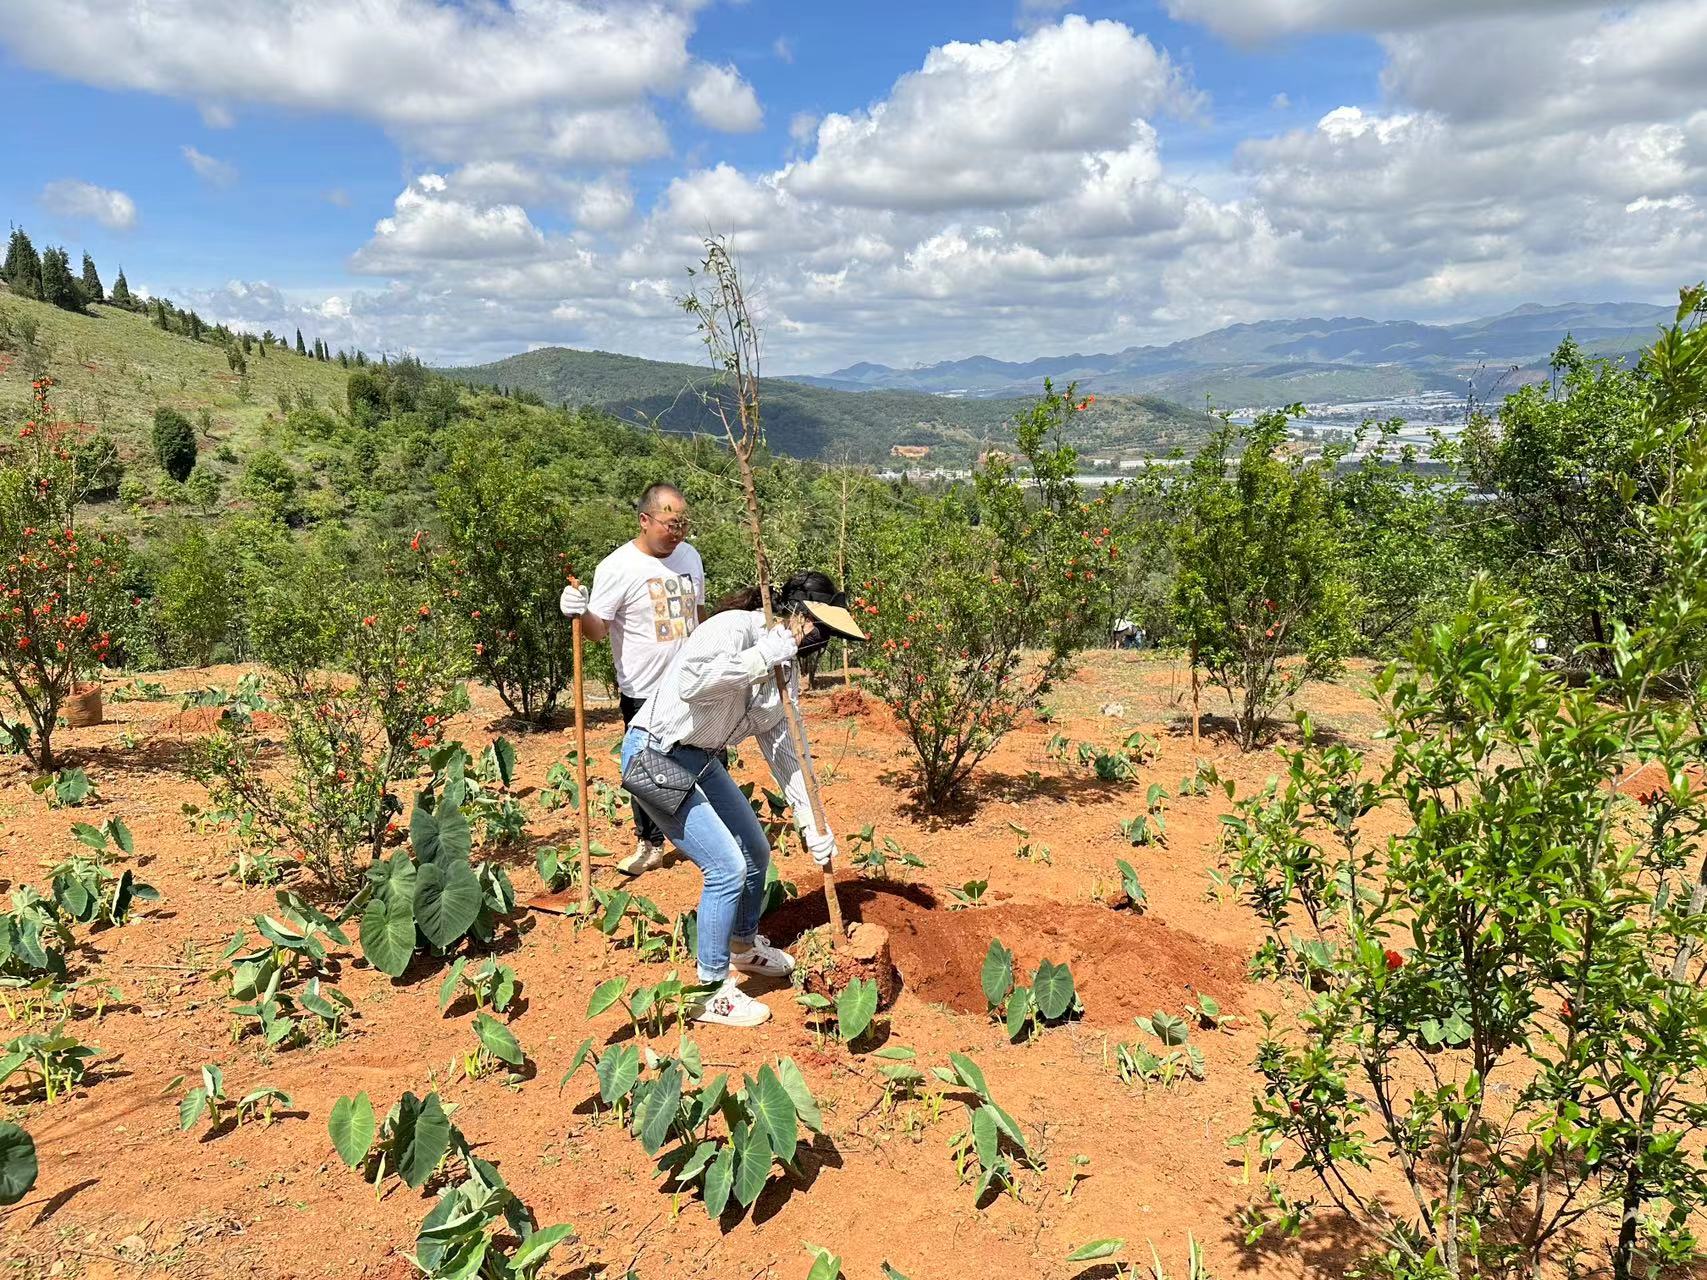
x,y
581,762
842,569
719,306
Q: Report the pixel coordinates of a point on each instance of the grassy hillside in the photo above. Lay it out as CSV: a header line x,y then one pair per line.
x,y
817,422
115,367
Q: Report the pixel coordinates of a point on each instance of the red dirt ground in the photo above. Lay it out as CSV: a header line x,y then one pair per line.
x,y
123,1193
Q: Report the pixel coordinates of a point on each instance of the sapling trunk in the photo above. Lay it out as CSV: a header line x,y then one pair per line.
x,y
732,339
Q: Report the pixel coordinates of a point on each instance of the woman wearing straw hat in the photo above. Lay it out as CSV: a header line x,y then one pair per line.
x,y
718,691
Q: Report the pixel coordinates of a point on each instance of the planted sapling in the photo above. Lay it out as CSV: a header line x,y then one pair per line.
x,y
466,1235
1131,887
1102,1250
497,1043
490,985
86,890
412,1143
1134,1061
66,789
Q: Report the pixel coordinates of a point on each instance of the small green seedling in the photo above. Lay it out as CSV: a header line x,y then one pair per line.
x,y
1207,1013
901,1075
492,985
1102,1250
1135,1062
1143,830
970,894
57,1061
1029,850
1136,899
1081,1164
825,1265
209,1097
497,1043
856,1005
465,1235
872,856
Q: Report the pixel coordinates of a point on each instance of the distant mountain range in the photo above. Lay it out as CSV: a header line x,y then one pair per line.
x,y
827,423
1279,361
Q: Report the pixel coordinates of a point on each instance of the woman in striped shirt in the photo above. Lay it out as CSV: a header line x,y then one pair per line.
x,y
718,691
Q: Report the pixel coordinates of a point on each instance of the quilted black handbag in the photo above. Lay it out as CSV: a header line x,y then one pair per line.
x,y
658,781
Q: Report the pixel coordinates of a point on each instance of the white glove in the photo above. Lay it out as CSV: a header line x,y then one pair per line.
x,y
573,602
777,645
820,844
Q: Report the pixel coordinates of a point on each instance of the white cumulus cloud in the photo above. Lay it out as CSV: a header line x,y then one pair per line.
x,y
208,168
720,98
71,198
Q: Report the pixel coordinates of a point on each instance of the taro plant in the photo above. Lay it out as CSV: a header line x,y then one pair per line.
x,y
33,940
431,895
1051,997
634,920
970,894
491,985
1131,887
1028,850
413,1142
1148,827
86,891
987,1148
1103,1250
209,1098
278,985
651,1008
495,1043
66,789
708,1135
467,1233
58,1061
18,1168
851,1011
872,856
1171,1061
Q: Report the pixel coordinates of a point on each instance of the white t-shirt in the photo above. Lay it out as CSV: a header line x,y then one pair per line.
x,y
652,605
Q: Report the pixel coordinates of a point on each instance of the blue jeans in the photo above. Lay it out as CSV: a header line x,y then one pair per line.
x,y
717,830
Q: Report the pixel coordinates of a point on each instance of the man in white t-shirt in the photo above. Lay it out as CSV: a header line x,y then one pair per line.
x,y
647,596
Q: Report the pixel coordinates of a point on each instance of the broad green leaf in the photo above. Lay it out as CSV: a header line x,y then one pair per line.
x,y
615,905
388,934
121,835
825,1265
997,975
657,1111
1019,1012
719,1181
752,1166
499,1039
773,1112
1008,1125
1096,1249
1052,990
985,1139
855,1006
695,1164
971,1075
895,1053
191,1108
440,834
1169,1029
605,995
586,1047
352,1128
17,1164
447,988
420,1139
618,1070
535,1248
504,757
94,837
447,900
805,1105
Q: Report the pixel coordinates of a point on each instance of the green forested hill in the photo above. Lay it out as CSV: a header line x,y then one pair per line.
x,y
816,422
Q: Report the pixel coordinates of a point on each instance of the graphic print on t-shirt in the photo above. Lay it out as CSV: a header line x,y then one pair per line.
x,y
673,612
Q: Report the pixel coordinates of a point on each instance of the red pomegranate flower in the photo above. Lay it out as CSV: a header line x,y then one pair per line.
x,y
1394,959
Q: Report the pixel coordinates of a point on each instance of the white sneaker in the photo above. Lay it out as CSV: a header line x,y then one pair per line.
x,y
646,857
762,958
730,1006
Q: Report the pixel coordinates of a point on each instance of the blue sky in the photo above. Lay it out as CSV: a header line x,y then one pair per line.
x,y
988,178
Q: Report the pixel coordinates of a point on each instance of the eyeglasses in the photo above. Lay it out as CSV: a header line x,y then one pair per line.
x,y
679,526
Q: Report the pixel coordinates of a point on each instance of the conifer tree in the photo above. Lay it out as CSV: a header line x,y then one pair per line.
x,y
301,346
160,314
91,282
120,296
195,325
23,266
57,284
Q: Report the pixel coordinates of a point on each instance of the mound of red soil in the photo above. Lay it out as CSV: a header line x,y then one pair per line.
x,y
847,702
1123,965
202,720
